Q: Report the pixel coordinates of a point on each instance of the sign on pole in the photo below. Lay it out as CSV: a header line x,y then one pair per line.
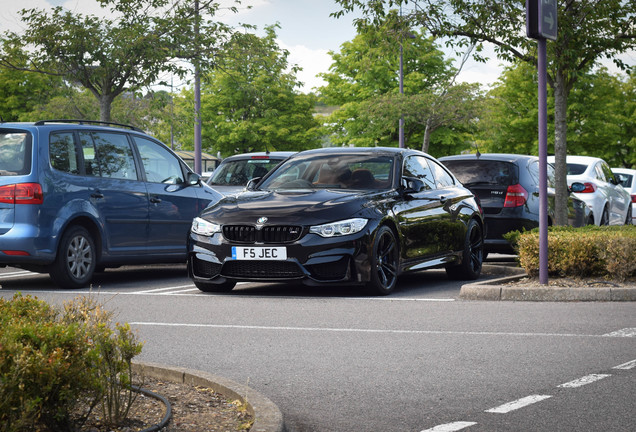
x,y
541,19
541,24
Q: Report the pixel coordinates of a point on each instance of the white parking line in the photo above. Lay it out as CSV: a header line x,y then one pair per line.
x,y
626,332
626,366
158,290
450,427
588,379
15,274
519,403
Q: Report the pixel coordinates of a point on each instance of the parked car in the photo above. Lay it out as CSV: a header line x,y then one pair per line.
x,y
627,178
609,201
78,196
341,216
234,172
507,186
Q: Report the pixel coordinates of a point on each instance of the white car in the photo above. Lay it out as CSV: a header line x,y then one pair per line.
x,y
627,178
610,203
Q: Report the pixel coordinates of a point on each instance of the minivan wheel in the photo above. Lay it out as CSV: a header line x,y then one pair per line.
x,y
76,259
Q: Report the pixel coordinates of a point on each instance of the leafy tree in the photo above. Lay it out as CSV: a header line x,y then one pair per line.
x,y
600,116
589,30
21,91
364,82
249,102
110,57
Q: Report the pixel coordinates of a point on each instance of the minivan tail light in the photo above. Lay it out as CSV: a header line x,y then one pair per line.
x,y
634,199
589,188
21,193
516,196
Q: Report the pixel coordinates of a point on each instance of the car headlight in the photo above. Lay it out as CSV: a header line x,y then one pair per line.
x,y
340,228
203,227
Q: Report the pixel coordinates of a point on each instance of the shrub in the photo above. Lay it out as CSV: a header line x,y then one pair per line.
x,y
50,360
608,252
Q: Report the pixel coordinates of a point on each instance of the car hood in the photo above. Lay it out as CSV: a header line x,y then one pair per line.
x,y
298,207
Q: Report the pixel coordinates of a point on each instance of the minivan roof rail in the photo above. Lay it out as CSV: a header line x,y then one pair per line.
x,y
93,122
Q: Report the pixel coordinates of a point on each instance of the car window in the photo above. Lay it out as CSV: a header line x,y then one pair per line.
x,y
239,172
624,179
160,165
416,166
15,153
483,172
551,176
62,153
108,154
576,169
442,178
598,173
607,172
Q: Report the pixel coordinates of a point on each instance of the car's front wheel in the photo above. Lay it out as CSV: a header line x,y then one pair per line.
x,y
76,259
628,218
604,217
384,262
472,255
210,287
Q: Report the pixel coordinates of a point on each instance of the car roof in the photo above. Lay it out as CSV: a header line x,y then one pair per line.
x,y
582,159
505,157
357,150
64,124
257,155
624,170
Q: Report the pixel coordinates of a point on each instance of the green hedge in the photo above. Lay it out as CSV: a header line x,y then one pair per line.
x,y
52,361
608,251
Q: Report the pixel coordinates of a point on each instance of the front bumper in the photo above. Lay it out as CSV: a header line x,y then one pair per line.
x,y
312,260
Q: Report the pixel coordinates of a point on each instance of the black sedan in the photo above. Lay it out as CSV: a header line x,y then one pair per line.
x,y
340,216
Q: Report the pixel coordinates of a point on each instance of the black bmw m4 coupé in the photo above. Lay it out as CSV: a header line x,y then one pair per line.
x,y
340,216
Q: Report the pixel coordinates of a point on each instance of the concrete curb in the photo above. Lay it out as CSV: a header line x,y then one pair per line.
x,y
496,289
267,416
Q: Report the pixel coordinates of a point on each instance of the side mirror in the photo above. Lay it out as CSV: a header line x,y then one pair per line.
x,y
577,187
193,179
251,184
412,184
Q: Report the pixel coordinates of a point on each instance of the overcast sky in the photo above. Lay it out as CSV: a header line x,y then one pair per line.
x,y
306,31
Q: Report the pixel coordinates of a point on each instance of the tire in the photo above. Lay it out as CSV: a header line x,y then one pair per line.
x,y
604,217
628,218
76,259
384,260
472,255
210,287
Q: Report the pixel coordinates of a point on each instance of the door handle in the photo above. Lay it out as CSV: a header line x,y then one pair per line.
x,y
97,195
155,200
443,199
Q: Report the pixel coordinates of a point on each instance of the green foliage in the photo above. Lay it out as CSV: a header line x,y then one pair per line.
x,y
364,81
608,251
109,57
51,361
21,92
249,102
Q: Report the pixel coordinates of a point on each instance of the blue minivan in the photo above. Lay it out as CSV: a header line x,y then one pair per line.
x,y
77,197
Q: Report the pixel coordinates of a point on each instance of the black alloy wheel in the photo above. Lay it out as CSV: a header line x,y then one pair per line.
x,y
384,262
472,256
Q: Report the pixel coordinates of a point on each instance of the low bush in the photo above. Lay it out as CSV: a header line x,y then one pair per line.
x,y
53,360
608,251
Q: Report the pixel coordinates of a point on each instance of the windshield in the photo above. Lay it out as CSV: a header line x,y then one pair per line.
x,y
15,153
239,172
329,171
483,172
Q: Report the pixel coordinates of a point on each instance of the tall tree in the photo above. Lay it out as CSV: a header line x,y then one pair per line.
x,y
589,30
111,56
250,100
364,81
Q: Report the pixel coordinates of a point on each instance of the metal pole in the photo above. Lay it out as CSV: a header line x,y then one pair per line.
x,y
401,132
197,95
543,162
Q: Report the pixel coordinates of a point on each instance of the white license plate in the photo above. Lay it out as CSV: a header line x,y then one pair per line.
x,y
259,253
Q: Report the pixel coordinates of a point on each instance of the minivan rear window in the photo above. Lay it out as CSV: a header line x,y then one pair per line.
x,y
483,172
15,153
